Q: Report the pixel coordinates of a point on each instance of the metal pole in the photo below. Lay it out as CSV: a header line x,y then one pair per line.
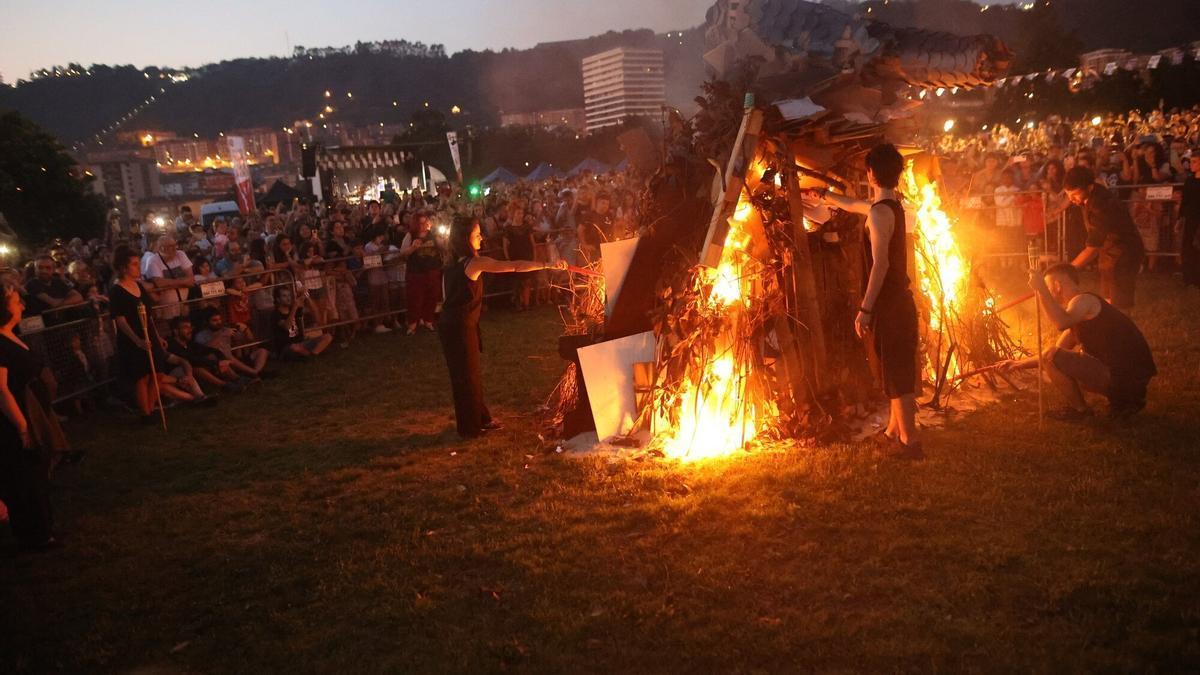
x,y
150,355
1035,267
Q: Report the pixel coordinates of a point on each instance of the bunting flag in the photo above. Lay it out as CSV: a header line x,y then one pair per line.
x,y
361,158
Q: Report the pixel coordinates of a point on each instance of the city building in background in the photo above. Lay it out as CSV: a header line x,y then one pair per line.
x,y
622,83
126,178
573,119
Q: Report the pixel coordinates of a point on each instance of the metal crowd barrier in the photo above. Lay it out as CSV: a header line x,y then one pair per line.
x,y
1012,241
81,352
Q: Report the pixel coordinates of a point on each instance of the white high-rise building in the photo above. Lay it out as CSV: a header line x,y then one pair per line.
x,y
622,83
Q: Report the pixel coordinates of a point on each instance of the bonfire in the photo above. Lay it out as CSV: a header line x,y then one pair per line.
x,y
749,292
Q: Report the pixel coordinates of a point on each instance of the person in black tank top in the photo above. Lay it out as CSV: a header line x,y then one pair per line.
x,y
887,318
1100,350
458,324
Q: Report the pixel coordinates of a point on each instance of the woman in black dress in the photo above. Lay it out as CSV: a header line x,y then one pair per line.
x,y
133,365
458,325
29,432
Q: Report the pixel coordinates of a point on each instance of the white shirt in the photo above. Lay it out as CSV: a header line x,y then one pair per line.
x,y
156,266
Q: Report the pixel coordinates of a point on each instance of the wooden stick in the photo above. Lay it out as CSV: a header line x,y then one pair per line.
x,y
1009,305
1041,367
150,355
584,271
973,373
1033,266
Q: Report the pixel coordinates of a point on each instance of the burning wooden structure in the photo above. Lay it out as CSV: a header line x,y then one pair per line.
x,y
749,293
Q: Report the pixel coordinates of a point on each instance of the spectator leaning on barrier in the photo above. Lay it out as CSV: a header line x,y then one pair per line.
x,y
47,290
422,274
169,272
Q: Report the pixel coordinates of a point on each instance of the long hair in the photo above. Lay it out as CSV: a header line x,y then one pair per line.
x,y
460,236
5,289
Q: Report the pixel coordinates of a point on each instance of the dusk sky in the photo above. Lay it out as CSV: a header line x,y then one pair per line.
x,y
37,34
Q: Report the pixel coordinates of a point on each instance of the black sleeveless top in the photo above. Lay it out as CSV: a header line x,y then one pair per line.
x,y
1114,340
463,300
895,282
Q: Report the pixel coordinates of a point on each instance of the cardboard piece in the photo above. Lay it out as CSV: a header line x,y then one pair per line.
x,y
615,257
608,373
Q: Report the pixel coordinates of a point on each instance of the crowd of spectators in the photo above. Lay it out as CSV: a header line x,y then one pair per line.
x,y
1010,179
225,299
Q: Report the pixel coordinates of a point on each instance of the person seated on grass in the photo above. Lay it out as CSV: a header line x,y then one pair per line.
x,y
251,362
1114,360
288,336
208,365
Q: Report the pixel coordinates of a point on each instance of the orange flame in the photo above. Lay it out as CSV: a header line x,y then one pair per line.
x,y
715,419
942,269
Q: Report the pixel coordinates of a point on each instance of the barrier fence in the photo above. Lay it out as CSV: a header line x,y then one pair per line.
x,y
1024,215
78,342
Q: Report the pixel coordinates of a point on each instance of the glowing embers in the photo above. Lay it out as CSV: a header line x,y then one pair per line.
x,y
715,418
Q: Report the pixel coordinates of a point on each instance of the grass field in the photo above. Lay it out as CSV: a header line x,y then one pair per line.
x,y
330,521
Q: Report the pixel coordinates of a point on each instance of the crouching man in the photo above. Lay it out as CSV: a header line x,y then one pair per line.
x,y
1100,350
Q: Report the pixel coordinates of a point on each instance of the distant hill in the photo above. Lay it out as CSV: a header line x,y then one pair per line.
x,y
387,86
390,80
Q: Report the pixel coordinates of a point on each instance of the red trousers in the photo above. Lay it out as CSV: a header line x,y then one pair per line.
x,y
424,290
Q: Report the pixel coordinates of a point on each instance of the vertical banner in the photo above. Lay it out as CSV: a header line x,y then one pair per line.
x,y
452,137
243,185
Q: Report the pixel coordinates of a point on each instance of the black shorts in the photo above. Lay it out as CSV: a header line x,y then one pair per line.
x,y
895,343
1127,395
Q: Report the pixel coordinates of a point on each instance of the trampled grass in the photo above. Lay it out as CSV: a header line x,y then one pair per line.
x,y
330,521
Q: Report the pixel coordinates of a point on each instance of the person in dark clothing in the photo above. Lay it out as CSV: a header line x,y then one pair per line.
x,y
1112,237
887,317
1189,212
29,432
1113,358
458,325
133,364
518,245
47,291
209,366
422,273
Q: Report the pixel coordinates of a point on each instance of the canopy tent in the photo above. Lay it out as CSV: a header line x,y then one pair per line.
x,y
543,172
281,193
500,175
590,164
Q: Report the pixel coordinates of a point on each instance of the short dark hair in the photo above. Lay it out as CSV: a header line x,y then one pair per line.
x,y
179,321
1078,178
1064,268
121,258
885,161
